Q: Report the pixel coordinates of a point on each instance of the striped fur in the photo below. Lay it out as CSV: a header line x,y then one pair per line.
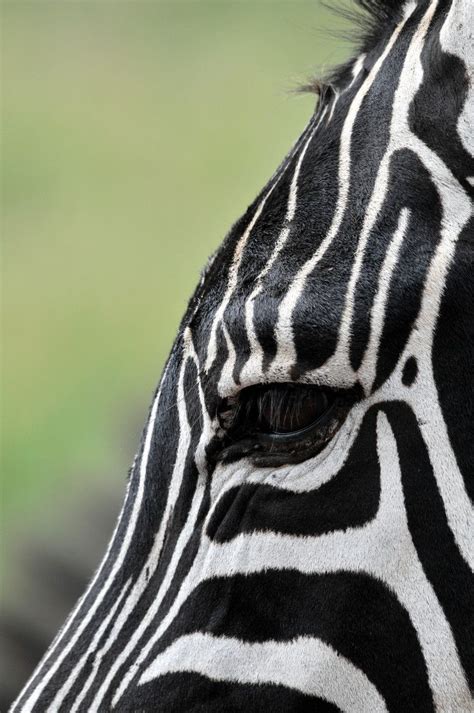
x,y
342,581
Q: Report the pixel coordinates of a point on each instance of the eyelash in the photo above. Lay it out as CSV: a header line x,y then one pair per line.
x,y
248,422
281,404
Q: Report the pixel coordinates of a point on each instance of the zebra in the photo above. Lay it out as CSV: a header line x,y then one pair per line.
x,y
296,533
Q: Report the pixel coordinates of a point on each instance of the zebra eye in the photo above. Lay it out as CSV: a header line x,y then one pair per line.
x,y
274,424
282,409
277,410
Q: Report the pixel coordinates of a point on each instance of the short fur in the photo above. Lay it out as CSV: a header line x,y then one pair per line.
x,y
330,568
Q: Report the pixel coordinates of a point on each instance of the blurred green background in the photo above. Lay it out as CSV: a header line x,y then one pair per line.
x,y
133,135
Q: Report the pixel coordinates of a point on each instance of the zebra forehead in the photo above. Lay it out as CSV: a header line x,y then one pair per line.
x,y
290,216
308,256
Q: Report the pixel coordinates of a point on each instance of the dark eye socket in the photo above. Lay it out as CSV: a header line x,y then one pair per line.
x,y
278,409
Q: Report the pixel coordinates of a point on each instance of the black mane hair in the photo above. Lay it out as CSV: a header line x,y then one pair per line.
x,y
370,21
370,18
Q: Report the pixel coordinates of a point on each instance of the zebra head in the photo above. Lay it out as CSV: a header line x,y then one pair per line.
x,y
296,529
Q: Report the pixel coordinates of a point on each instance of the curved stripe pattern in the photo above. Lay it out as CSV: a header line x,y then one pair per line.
x,y
290,664
302,577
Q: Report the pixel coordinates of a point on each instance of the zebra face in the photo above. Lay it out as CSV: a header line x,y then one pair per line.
x,y
295,534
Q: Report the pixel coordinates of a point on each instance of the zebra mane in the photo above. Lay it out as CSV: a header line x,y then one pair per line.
x,y
369,21
382,9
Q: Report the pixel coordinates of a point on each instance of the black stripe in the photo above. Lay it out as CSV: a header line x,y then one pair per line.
x,y
192,693
452,367
442,563
349,499
355,614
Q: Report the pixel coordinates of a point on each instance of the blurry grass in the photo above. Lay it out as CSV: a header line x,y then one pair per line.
x,y
134,134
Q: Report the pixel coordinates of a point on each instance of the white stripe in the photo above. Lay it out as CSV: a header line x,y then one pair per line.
x,y
377,316
183,539
457,211
237,258
383,548
253,367
357,68
57,640
335,100
153,557
409,83
457,38
304,664
58,700
286,353
46,677
226,383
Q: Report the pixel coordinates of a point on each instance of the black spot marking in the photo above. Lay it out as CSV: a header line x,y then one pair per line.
x,y
410,371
